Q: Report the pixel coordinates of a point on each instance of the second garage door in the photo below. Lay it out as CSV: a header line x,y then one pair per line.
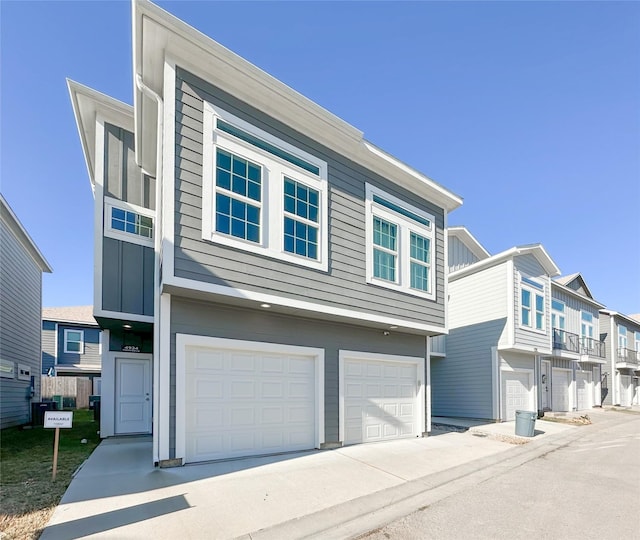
x,y
560,383
584,390
381,400
247,402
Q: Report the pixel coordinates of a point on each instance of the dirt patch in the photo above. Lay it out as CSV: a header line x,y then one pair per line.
x,y
572,420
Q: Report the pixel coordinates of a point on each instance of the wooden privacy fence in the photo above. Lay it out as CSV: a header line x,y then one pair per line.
x,y
68,387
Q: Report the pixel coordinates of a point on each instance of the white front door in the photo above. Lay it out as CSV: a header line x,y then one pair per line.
x,y
516,393
381,399
561,380
133,396
583,390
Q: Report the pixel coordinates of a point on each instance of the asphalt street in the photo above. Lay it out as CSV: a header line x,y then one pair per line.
x,y
589,488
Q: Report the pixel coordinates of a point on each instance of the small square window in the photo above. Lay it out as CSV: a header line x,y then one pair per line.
x,y
74,341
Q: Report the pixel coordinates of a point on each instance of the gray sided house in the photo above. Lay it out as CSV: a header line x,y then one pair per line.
x,y
71,343
21,268
499,330
621,336
267,279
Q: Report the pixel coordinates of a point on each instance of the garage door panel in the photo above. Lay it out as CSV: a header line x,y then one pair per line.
x,y
248,404
379,400
516,393
560,383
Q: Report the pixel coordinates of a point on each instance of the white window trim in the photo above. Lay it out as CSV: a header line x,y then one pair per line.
x,y
534,292
110,203
66,351
584,324
405,227
272,204
622,337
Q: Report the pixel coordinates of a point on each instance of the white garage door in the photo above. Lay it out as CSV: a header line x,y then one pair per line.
x,y
516,393
242,403
560,390
625,390
380,400
584,390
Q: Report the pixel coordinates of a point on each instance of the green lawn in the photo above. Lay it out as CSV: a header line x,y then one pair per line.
x,y
27,493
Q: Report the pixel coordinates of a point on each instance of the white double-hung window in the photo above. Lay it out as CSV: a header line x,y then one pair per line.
x,y
400,244
532,311
262,194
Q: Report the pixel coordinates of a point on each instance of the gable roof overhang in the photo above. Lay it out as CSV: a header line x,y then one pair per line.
x,y
158,35
89,104
572,292
626,318
13,223
463,234
533,249
565,280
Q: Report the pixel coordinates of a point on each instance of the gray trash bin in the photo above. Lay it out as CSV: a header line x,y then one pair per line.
x,y
525,423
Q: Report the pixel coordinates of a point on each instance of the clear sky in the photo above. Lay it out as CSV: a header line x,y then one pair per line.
x,y
528,110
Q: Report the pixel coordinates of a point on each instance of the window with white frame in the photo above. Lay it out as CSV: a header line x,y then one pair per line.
x,y
586,329
128,222
532,304
262,194
622,341
400,244
638,344
74,341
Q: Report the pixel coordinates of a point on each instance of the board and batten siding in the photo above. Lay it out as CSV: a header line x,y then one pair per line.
x,y
20,326
529,267
610,347
573,312
127,268
460,256
223,321
48,345
344,285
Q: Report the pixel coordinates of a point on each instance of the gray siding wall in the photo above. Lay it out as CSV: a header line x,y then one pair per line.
x,y
573,312
215,320
20,326
528,266
459,254
345,284
461,383
123,179
610,346
127,277
48,345
90,358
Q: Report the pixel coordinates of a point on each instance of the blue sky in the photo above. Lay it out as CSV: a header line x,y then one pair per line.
x,y
529,111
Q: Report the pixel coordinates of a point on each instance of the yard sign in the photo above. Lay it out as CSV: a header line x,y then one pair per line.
x,y
57,419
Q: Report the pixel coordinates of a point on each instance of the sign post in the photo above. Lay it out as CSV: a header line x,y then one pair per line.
x,y
57,420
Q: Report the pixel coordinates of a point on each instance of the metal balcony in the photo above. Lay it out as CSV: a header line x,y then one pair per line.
x,y
592,347
566,341
627,358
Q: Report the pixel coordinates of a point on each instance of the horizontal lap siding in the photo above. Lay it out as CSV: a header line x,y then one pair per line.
x,y
528,266
91,356
217,320
20,326
345,283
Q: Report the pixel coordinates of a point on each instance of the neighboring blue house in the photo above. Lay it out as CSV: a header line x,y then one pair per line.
x,y
266,278
21,268
71,343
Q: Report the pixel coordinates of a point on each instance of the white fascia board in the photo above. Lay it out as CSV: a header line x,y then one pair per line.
x,y
625,318
157,33
536,250
87,105
358,317
576,294
463,234
20,233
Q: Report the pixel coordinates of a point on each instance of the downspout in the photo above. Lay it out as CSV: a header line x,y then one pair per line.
x,y
157,261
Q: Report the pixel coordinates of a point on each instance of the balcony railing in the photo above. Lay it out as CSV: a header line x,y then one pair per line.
x,y
592,347
566,341
628,356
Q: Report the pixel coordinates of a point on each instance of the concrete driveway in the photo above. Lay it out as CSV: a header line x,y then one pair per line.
x,y
119,494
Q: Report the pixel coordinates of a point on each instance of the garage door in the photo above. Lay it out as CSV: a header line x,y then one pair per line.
x,y
560,390
516,393
242,403
380,400
625,390
584,390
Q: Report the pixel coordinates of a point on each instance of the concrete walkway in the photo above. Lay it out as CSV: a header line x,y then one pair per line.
x,y
119,494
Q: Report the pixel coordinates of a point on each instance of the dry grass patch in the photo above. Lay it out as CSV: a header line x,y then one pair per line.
x,y
28,495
